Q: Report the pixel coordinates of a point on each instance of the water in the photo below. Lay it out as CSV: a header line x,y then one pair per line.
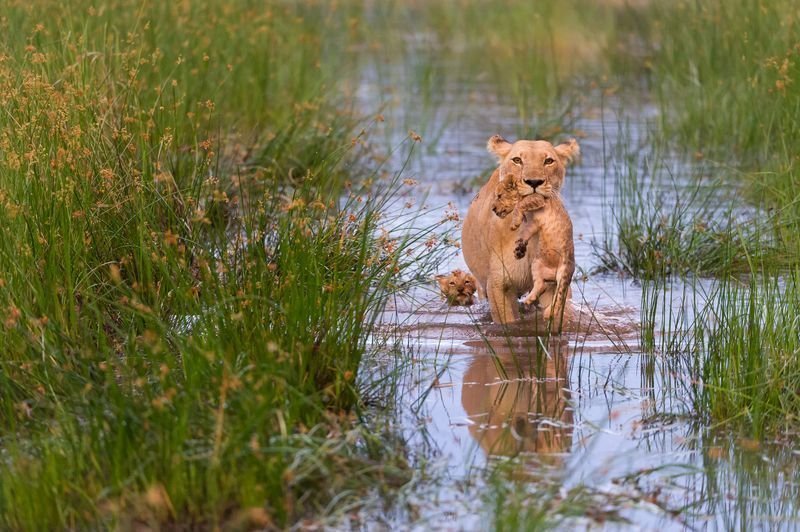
x,y
590,410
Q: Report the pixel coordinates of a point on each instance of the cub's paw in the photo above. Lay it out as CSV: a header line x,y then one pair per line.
x,y
537,201
533,303
521,249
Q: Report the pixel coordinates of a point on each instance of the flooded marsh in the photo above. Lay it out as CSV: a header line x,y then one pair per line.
x,y
606,422
223,222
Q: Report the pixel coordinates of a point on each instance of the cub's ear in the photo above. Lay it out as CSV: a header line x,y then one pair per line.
x,y
443,282
568,152
498,146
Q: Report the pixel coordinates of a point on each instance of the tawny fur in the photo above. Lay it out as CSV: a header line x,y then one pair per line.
x,y
458,288
554,258
508,200
514,416
487,240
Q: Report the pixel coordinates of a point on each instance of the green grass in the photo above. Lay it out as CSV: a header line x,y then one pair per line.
x,y
731,346
724,75
185,295
672,217
194,261
751,370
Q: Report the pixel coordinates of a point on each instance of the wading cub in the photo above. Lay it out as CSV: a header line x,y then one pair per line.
x,y
458,288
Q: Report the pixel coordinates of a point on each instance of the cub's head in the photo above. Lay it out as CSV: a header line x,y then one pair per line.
x,y
506,197
533,165
458,288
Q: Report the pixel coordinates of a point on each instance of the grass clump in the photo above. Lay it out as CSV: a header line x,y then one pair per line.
x,y
188,282
724,74
670,217
732,343
751,371
662,233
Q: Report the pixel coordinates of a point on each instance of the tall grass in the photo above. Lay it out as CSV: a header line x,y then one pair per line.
x,y
731,345
751,373
724,74
186,296
669,216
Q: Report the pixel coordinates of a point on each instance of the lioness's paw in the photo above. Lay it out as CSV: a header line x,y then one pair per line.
x,y
520,249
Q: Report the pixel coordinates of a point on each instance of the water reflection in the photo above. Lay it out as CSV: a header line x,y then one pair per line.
x,y
515,394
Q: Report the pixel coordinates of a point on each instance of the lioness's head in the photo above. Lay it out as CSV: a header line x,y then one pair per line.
x,y
533,165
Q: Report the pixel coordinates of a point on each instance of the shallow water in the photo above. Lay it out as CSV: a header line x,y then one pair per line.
x,y
589,409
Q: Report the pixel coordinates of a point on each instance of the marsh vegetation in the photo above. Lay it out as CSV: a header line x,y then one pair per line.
x,y
221,226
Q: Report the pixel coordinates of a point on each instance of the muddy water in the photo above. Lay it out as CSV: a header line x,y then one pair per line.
x,y
588,409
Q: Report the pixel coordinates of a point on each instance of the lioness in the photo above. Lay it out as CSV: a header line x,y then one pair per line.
x,y
554,258
488,242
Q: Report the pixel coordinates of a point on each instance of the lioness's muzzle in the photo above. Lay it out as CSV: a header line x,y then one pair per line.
x,y
533,183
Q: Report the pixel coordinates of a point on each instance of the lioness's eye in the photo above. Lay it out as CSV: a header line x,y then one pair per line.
x,y
548,161
516,160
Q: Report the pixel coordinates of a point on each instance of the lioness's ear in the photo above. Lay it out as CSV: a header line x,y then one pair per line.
x,y
498,146
568,152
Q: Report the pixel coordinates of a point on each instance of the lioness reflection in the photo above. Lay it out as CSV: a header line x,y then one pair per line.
x,y
518,399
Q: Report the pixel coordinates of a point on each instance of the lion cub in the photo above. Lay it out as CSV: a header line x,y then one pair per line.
x,y
508,199
554,258
458,288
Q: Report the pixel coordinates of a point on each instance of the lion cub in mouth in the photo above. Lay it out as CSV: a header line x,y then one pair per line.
x,y
458,288
554,255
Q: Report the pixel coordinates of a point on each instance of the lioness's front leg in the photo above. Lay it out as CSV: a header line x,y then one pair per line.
x,y
502,297
481,292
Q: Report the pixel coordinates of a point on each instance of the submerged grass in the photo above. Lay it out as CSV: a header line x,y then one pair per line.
x,y
534,57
